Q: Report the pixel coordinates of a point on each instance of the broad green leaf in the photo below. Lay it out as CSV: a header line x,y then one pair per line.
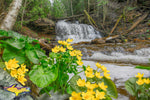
x,y
2,65
130,85
41,78
73,83
16,43
108,98
10,53
111,90
31,54
40,54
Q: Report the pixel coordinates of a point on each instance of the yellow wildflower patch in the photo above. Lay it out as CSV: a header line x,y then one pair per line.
x,y
100,95
139,75
80,63
12,64
21,79
81,83
140,81
89,74
102,86
97,74
69,40
107,75
75,96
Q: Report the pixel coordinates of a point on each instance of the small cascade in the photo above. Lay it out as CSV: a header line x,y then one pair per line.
x,y
77,32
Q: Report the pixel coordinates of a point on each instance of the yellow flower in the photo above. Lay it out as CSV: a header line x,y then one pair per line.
x,y
107,75
90,86
78,52
100,95
97,74
12,64
89,69
78,57
21,79
102,86
87,96
139,75
20,72
81,82
64,43
62,49
103,68
55,50
23,68
80,63
89,74
4,69
147,81
72,53
69,40
98,65
13,73
140,81
75,96
90,91
69,47
60,42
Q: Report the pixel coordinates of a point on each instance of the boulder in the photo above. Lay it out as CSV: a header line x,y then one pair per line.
x,y
6,80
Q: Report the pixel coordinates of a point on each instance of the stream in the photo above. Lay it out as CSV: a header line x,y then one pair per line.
x,y
119,58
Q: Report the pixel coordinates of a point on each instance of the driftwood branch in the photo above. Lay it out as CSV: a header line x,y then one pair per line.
x,y
136,23
91,21
116,24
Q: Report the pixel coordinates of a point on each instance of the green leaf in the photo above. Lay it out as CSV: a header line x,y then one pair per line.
x,y
73,83
130,85
52,55
10,53
46,90
69,90
40,54
143,67
2,65
16,43
111,90
31,54
41,78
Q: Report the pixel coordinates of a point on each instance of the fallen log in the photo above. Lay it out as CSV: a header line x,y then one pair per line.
x,y
136,23
104,39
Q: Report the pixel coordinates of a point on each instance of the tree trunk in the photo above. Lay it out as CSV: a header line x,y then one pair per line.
x,y
71,8
2,6
10,19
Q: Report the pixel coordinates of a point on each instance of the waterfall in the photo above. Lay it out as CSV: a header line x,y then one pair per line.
x,y
77,32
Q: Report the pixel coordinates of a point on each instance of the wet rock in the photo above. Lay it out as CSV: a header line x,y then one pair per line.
x,y
98,41
6,80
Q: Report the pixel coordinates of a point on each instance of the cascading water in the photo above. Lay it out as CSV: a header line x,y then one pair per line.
x,y
75,31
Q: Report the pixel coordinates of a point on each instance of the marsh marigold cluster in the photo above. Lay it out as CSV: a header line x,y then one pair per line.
x,y
66,46
142,80
16,70
95,90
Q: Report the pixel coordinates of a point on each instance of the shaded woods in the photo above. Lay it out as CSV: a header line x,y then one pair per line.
x,y
110,16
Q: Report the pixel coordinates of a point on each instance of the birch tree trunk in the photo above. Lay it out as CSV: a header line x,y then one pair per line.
x,y
10,19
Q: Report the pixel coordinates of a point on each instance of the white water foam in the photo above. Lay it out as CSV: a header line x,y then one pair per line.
x,y
75,31
141,56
